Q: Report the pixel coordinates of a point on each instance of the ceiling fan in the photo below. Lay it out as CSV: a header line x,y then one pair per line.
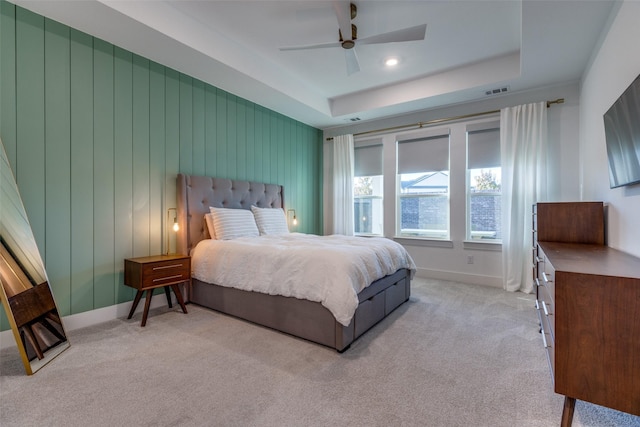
x,y
348,35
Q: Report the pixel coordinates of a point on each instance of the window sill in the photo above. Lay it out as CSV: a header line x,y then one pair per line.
x,y
421,241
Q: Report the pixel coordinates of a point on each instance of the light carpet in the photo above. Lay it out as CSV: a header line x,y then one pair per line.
x,y
454,355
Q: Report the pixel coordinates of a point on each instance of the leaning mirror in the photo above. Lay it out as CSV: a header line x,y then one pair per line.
x,y
26,296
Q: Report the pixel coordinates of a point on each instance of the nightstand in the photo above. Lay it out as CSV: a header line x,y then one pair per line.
x,y
159,271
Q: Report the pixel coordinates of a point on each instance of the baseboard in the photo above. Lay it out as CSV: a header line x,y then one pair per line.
x,y
94,317
455,276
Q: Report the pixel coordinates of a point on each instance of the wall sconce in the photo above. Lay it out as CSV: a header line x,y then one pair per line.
x,y
176,227
292,214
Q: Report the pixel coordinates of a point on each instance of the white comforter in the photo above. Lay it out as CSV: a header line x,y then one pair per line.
x,y
326,269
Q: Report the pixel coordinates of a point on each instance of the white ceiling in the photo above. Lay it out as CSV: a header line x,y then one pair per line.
x,y
471,46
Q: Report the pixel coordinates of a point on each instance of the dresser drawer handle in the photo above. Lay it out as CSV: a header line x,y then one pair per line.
x,y
538,259
167,278
544,308
537,305
544,340
167,266
538,282
545,278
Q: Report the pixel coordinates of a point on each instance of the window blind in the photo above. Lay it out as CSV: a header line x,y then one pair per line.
x,y
426,154
368,160
483,145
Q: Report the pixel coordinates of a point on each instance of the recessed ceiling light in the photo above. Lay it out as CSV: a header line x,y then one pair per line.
x,y
391,62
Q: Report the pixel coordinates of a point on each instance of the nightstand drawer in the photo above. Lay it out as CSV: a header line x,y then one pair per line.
x,y
156,271
161,273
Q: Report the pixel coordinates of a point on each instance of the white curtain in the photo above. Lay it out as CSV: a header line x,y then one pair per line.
x,y
523,146
343,185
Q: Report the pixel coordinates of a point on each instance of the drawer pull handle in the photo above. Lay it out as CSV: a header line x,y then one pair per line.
x,y
544,308
538,282
537,306
167,278
544,340
162,267
545,278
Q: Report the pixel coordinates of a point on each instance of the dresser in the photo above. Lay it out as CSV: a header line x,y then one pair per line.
x,y
588,304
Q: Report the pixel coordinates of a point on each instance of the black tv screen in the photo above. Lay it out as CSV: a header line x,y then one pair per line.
x,y
622,134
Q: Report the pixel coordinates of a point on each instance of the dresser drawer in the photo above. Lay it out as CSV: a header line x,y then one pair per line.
x,y
547,280
538,259
547,309
538,266
546,275
548,340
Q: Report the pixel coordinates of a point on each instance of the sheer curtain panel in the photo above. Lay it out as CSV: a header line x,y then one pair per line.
x,y
343,167
523,144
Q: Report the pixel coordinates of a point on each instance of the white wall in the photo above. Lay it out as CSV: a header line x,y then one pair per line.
x,y
450,262
614,67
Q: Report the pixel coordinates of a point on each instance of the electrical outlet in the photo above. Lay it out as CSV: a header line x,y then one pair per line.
x,y
470,259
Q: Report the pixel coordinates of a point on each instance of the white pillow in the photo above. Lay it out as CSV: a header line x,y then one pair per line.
x,y
270,220
208,219
233,223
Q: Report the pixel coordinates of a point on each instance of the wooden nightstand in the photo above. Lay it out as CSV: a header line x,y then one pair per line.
x,y
159,271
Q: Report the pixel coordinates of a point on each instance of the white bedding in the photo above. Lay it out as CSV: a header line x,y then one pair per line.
x,y
326,269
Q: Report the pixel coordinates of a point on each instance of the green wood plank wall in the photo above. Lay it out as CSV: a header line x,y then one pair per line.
x,y
82,172
96,136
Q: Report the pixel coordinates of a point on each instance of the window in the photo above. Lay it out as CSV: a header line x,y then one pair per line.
x,y
423,187
484,196
368,188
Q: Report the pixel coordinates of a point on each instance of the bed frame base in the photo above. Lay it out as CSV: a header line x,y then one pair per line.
x,y
306,319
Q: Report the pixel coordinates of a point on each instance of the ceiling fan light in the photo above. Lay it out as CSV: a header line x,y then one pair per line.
x,y
391,62
348,44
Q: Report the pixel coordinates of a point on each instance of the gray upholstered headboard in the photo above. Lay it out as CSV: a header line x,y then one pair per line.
x,y
197,193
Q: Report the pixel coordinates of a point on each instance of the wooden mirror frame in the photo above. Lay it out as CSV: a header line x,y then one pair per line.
x,y
25,292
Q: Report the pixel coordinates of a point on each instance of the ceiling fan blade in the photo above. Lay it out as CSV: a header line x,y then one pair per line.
x,y
407,34
343,13
312,46
352,61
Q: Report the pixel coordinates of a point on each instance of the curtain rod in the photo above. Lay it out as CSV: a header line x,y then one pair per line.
x,y
436,121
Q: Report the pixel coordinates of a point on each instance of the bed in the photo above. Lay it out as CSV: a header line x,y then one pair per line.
x,y
302,318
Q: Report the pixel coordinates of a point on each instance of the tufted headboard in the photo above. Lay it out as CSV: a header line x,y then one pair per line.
x,y
197,193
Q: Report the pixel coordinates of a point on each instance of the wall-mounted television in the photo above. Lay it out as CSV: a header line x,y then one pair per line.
x,y
622,134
